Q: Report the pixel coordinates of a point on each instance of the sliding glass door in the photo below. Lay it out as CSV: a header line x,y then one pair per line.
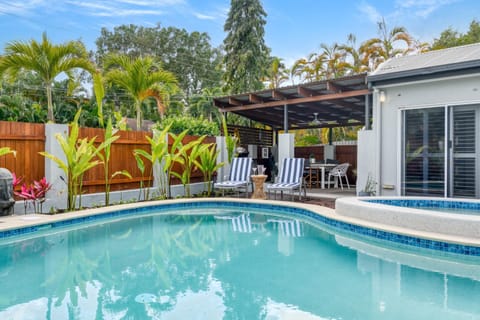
x,y
423,152
441,152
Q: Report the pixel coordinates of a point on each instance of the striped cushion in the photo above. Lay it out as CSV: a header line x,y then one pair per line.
x,y
240,169
280,185
292,170
230,184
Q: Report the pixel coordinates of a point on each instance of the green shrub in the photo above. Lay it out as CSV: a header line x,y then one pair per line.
x,y
195,126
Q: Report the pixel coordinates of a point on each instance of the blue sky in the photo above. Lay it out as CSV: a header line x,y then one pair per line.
x,y
294,28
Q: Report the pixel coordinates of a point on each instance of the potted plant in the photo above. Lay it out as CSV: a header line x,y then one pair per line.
x,y
369,189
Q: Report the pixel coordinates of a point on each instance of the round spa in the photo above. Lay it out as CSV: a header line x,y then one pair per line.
x,y
444,218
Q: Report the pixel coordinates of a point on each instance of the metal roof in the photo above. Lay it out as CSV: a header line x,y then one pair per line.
x,y
337,103
430,64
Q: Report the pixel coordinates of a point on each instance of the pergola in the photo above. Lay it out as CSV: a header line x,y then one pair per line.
x,y
333,103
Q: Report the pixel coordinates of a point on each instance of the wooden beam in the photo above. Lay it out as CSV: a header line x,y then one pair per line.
x,y
278,95
334,87
325,97
235,102
304,92
255,98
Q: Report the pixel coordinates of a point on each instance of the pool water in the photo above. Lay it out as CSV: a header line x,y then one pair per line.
x,y
227,264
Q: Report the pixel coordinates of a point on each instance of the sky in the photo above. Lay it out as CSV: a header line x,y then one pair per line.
x,y
294,29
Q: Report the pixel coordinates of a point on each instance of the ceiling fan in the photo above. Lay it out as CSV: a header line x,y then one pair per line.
x,y
315,121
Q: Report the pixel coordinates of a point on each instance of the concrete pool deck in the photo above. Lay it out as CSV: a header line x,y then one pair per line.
x,y
21,221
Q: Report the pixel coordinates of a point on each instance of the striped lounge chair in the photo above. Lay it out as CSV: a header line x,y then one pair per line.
x,y
290,178
239,177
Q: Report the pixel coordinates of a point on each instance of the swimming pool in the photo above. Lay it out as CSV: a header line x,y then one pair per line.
x,y
224,260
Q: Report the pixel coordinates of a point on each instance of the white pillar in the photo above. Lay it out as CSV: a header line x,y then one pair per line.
x,y
286,147
222,157
57,197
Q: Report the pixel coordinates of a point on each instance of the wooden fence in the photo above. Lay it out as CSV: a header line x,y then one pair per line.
x,y
28,140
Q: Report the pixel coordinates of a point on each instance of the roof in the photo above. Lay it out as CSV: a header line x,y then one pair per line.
x,y
337,102
455,60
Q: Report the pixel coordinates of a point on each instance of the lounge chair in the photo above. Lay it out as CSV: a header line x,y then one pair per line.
x,y
239,177
290,178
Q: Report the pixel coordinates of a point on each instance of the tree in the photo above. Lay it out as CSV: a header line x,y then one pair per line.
x,y
356,63
45,59
451,38
276,73
378,50
141,78
246,54
189,56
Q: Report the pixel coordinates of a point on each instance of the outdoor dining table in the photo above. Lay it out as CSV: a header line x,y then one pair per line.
x,y
316,172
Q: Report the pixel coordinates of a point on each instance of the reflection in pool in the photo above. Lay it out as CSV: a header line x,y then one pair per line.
x,y
228,265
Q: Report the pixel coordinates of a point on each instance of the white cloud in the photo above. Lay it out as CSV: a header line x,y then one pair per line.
x,y
422,8
117,8
371,12
20,8
203,16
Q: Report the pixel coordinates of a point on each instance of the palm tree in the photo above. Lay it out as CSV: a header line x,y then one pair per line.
x,y
316,66
334,61
356,62
378,50
276,73
142,78
46,60
298,69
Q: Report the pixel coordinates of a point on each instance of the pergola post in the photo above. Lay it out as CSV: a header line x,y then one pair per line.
x,y
285,118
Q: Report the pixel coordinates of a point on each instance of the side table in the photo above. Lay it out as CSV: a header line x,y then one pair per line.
x,y
258,182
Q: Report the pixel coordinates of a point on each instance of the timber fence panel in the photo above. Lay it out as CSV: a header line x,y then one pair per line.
x,y
27,139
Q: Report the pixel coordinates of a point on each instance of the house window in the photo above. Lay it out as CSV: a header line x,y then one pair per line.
x,y
423,152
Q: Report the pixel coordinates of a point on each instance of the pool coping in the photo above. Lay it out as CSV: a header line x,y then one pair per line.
x,y
395,233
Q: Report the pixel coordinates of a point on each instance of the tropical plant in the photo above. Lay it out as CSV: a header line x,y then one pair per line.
x,y
99,90
186,156
159,154
378,50
195,126
335,65
201,105
355,60
277,74
230,141
80,157
190,56
104,155
246,54
207,164
141,78
35,193
46,60
6,150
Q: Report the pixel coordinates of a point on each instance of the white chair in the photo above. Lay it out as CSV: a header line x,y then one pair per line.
x,y
239,177
290,178
339,172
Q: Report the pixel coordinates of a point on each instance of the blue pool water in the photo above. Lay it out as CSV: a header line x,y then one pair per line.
x,y
228,263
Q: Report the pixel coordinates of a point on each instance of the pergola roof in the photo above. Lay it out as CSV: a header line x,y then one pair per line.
x,y
339,102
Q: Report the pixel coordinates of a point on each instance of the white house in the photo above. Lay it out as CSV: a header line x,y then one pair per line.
x,y
425,133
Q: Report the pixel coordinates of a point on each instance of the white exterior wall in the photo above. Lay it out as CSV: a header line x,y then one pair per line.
x,y
454,91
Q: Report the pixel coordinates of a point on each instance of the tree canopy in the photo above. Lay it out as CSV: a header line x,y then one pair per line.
x,y
451,38
246,54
